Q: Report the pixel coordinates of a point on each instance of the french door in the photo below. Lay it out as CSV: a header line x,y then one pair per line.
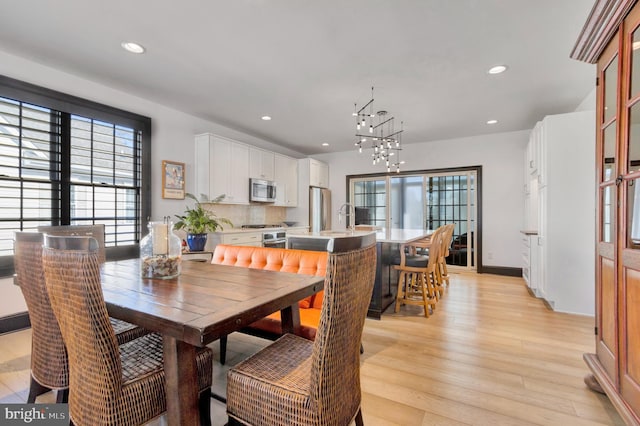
x,y
423,201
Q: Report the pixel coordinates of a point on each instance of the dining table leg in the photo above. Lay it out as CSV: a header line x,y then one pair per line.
x,y
181,374
290,319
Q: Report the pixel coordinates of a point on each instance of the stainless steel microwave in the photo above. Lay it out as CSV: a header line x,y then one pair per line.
x,y
263,191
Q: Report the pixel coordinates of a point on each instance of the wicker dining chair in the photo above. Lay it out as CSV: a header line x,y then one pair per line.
x,y
125,331
419,274
49,365
109,384
295,381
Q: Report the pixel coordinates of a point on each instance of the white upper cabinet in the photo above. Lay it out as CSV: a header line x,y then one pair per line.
x,y
222,167
261,164
318,173
286,177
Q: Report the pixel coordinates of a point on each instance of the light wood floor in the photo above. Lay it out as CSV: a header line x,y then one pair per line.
x,y
489,355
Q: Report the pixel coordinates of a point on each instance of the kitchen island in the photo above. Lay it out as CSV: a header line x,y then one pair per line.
x,y
388,243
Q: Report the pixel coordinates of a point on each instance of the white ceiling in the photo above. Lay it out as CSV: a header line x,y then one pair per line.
x,y
306,63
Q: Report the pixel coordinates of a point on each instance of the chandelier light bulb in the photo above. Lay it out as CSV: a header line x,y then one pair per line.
x,y
360,149
358,126
370,128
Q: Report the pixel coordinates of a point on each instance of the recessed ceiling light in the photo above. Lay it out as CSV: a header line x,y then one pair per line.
x,y
325,144
266,118
132,47
492,121
497,69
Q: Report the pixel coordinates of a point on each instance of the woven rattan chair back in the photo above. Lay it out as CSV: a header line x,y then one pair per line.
x,y
49,367
94,231
73,281
335,363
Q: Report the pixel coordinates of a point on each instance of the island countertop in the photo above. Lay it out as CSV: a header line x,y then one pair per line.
x,y
383,235
401,236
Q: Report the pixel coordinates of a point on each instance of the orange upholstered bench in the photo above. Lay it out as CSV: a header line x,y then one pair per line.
x,y
277,259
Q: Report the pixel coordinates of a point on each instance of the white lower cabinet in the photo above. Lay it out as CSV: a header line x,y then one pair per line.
x,y
242,238
530,260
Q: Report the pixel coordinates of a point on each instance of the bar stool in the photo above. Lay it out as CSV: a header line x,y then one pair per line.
x,y
447,237
417,282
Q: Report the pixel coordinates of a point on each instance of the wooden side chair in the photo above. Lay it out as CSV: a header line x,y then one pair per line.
x,y
418,274
109,384
295,381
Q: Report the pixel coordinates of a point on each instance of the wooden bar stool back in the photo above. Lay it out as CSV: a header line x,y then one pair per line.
x,y
447,237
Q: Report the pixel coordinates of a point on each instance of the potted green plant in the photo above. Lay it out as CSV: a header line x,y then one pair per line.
x,y
198,221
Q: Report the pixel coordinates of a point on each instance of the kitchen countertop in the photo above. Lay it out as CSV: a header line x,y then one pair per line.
x,y
393,235
247,230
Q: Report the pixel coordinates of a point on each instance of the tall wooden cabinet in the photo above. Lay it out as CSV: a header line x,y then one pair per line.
x,y
610,39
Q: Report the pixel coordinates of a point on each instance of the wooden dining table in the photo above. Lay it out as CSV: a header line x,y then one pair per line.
x,y
202,304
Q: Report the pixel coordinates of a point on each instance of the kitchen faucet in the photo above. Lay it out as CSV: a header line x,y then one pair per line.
x,y
351,213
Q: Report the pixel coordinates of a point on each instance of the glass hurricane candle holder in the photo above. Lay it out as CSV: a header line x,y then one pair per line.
x,y
160,252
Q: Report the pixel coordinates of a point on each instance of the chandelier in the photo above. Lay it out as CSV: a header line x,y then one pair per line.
x,y
377,132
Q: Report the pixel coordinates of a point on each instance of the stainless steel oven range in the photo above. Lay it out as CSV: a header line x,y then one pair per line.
x,y
274,239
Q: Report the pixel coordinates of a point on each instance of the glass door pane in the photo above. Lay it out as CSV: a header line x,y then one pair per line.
x,y
451,199
370,201
407,202
610,90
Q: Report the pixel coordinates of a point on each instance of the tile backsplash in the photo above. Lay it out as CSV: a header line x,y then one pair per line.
x,y
249,215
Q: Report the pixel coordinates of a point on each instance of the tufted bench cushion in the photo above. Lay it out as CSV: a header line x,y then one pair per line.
x,y
285,260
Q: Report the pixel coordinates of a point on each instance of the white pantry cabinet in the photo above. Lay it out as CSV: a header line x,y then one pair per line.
x,y
560,206
222,167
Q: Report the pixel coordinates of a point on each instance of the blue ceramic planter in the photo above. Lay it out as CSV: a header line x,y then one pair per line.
x,y
196,242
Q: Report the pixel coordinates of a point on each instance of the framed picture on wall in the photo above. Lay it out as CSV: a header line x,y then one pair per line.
x,y
173,180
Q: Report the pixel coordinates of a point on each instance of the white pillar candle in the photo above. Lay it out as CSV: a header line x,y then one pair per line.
x,y
160,239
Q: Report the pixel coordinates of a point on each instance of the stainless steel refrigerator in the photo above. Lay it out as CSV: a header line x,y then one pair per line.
x,y
319,209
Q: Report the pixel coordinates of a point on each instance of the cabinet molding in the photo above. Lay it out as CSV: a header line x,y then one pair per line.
x,y
601,26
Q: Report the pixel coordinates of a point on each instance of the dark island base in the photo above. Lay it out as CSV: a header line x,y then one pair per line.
x,y
386,283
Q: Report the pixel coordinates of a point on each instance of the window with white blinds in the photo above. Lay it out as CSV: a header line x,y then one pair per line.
x,y
77,165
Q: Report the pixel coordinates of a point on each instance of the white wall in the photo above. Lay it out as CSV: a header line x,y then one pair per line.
x,y
172,131
501,158
172,139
